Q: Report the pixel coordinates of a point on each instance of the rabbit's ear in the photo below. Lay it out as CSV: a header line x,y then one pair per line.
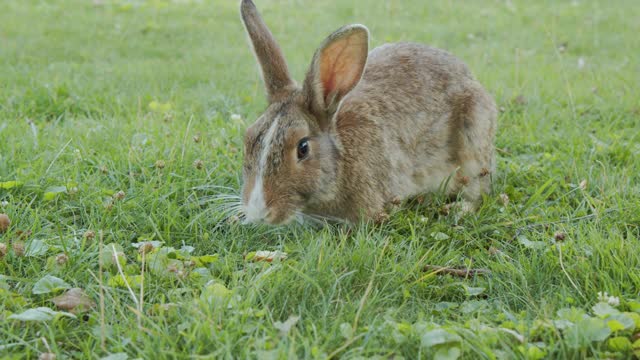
x,y
274,68
336,68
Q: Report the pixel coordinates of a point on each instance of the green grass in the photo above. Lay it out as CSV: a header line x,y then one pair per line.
x,y
93,96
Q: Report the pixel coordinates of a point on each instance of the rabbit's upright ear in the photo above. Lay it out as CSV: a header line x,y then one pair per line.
x,y
336,69
274,68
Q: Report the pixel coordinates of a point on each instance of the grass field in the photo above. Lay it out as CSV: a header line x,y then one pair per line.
x,y
119,125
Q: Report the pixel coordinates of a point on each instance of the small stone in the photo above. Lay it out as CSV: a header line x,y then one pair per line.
x,y
5,222
484,172
160,164
559,236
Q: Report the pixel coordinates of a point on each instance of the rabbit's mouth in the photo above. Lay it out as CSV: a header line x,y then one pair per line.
x,y
257,212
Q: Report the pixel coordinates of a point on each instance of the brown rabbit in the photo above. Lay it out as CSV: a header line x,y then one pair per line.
x,y
365,129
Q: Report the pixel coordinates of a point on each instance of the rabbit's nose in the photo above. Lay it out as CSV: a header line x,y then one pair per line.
x,y
255,214
255,209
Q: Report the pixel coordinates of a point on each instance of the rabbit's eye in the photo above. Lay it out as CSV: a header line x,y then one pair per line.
x,y
303,148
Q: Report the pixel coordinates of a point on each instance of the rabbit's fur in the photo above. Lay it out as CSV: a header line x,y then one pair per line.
x,y
402,120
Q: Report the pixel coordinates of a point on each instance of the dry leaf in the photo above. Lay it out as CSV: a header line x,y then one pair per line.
x,y
74,300
269,256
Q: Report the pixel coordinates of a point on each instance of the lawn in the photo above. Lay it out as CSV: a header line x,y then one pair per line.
x,y
121,125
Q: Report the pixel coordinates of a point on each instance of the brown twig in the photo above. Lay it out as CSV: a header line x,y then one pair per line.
x,y
456,272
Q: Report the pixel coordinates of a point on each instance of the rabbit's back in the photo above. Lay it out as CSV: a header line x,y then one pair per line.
x,y
432,117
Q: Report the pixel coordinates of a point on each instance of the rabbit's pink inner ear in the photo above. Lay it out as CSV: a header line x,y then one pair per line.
x,y
341,64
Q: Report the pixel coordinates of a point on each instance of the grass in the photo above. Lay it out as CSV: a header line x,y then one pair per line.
x,y
108,97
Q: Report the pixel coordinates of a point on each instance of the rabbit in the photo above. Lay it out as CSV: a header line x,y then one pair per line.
x,y
364,130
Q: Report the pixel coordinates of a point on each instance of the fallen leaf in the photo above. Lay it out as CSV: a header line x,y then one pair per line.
x,y
74,300
267,256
